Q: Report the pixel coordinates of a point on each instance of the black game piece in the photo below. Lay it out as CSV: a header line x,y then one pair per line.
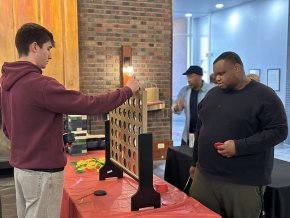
x,y
100,193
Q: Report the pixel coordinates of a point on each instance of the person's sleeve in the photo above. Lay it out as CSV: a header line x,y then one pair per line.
x,y
2,121
56,98
5,130
180,95
273,125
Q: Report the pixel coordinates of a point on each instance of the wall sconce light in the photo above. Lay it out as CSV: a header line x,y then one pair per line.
x,y
126,64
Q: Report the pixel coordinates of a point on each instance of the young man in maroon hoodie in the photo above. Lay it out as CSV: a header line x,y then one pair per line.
x,y
32,108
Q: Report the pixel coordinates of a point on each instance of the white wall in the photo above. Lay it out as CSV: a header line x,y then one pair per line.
x,y
257,31
179,64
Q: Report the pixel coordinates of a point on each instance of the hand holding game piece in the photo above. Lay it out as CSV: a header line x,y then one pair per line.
x,y
217,144
133,84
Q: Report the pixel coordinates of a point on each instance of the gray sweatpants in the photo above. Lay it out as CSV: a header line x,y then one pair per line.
x,y
38,194
227,199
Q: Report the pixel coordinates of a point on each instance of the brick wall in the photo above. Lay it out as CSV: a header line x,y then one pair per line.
x,y
287,102
145,25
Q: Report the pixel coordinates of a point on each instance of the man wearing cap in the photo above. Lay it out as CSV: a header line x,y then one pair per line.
x,y
187,99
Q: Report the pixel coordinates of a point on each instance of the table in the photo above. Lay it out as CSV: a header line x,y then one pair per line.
x,y
277,194
178,161
4,163
79,200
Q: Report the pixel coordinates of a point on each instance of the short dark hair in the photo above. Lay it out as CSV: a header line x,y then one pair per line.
x,y
29,33
230,57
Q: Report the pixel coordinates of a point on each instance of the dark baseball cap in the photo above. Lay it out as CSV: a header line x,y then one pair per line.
x,y
194,69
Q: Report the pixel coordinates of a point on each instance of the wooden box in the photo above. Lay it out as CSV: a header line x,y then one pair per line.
x,y
160,148
7,197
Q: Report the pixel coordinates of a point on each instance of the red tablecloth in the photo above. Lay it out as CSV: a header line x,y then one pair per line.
x,y
80,202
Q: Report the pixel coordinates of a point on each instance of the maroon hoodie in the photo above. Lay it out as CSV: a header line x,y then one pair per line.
x,y
32,106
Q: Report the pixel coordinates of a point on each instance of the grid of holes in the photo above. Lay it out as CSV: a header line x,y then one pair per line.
x,y
125,126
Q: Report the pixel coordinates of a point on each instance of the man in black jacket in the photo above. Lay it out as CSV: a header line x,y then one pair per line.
x,y
248,119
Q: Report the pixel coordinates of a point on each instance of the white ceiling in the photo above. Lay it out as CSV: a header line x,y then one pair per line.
x,y
202,7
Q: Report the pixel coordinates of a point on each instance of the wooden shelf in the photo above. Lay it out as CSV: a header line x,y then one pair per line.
x,y
100,136
155,105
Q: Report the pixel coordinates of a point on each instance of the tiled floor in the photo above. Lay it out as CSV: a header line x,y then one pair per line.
x,y
282,151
